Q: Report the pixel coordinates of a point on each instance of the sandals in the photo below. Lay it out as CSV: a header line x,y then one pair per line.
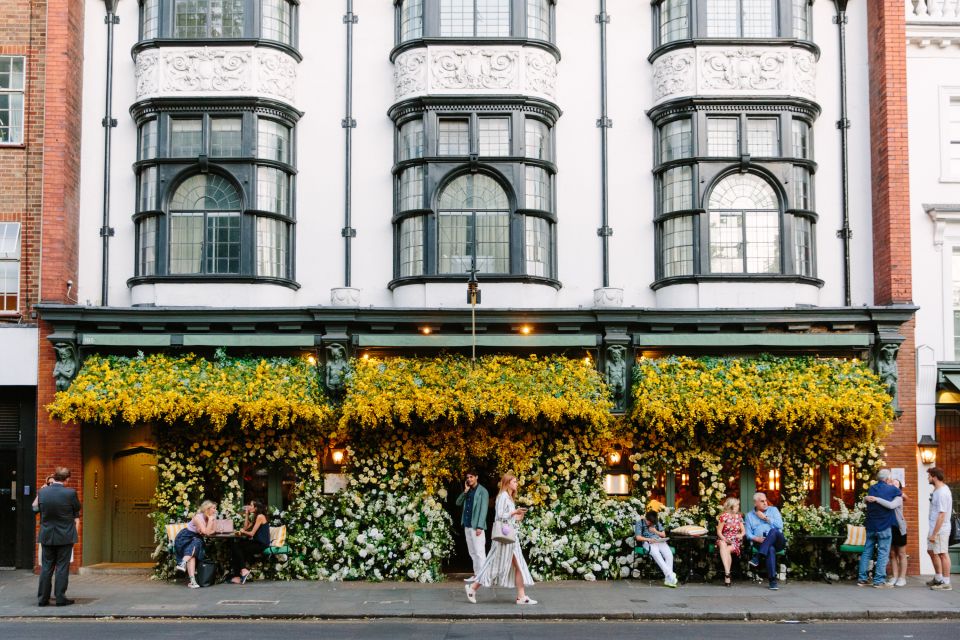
x,y
526,600
726,580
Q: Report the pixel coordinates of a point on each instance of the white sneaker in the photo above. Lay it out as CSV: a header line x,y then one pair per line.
x,y
470,579
471,594
182,566
526,600
902,582
891,581
193,585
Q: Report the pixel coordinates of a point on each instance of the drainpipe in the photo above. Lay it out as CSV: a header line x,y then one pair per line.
x,y
348,124
604,123
843,124
109,122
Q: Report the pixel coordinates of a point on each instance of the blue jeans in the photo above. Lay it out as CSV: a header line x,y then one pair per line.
x,y
767,550
881,540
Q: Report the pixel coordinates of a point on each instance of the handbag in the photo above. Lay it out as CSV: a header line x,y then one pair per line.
x,y
503,532
954,530
206,572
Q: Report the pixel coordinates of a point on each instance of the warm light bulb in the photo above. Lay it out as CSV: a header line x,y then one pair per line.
x,y
614,457
365,356
426,330
525,329
337,456
312,360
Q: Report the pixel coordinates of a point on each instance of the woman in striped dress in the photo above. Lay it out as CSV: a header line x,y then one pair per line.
x,y
505,566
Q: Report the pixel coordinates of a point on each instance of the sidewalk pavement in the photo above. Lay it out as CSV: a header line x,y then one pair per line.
x,y
140,597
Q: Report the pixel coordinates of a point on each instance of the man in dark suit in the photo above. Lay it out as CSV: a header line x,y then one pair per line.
x,y
59,518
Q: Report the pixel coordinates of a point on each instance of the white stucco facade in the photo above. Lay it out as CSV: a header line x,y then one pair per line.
x,y
316,86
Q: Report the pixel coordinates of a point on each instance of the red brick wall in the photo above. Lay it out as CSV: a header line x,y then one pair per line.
x,y
886,34
59,444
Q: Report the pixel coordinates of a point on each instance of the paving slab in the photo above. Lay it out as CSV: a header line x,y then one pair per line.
x,y
132,596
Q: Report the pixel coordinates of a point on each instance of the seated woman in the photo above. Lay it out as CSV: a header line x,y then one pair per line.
x,y
188,545
649,532
730,533
254,538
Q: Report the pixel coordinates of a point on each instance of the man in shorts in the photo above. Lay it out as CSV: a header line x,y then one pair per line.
x,y
938,534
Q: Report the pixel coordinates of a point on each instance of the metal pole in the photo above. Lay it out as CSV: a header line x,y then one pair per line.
x,y
106,231
348,124
845,233
604,123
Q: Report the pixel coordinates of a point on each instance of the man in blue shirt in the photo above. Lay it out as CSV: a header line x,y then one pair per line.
x,y
764,527
879,520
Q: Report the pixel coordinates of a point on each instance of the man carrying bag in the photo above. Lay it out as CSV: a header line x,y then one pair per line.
x,y
59,516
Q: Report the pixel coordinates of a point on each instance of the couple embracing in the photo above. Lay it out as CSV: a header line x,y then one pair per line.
x,y
504,566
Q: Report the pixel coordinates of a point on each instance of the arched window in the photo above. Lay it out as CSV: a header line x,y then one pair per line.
x,y
744,216
473,224
205,226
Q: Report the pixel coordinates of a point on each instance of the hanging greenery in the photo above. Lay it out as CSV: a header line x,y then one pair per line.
x,y
259,393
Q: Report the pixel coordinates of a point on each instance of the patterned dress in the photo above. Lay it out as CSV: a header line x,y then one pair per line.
x,y
497,570
730,528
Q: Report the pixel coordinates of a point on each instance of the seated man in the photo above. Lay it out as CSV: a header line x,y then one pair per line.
x,y
764,526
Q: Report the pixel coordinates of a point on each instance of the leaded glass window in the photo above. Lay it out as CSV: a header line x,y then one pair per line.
x,y
150,19
473,224
801,188
148,189
200,19
411,20
537,247
226,137
493,136
741,19
205,226
676,239
537,135
801,139
474,18
723,137
12,79
273,190
411,140
744,217
276,21
411,188
763,137
273,140
147,246
538,19
676,189
676,140
801,20
272,248
186,138
453,137
411,247
148,140
674,20
803,246
538,189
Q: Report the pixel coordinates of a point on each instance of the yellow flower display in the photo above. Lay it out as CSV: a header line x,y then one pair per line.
x,y
259,392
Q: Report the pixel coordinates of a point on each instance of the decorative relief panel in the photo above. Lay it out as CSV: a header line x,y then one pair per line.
x,y
446,70
204,71
727,71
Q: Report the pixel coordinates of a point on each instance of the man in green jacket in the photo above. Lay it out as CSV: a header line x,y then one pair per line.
x,y
474,501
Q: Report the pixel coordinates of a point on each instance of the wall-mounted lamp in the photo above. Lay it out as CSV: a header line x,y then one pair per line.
x,y
928,450
773,480
614,457
337,456
847,475
312,360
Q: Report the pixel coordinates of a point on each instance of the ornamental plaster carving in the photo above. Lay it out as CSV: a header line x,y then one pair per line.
x,y
204,71
709,70
475,70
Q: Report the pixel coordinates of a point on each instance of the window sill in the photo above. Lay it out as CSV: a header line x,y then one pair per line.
x,y
212,279
740,42
155,43
737,277
483,279
419,43
13,145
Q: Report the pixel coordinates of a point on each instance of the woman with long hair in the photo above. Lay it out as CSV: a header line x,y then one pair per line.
x,y
505,566
188,545
252,539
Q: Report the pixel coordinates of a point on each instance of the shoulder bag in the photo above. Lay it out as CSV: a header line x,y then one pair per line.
x,y
504,532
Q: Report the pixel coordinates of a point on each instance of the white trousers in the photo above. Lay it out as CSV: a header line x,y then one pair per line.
x,y
476,545
663,556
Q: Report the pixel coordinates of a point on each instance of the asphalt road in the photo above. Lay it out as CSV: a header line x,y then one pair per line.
x,y
482,630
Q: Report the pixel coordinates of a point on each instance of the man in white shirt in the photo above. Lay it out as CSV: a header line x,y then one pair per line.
x,y
938,535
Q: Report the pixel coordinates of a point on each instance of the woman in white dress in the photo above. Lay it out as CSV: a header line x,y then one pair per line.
x,y
505,566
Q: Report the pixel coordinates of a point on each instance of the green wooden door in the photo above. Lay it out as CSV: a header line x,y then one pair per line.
x,y
134,484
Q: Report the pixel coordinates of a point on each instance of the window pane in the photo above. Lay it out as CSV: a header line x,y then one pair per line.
x,y
223,243
411,247
186,242
763,241
455,241
722,18
676,140
763,137
494,136
538,189
801,188
801,139
453,137
9,285
411,189
148,188
955,279
411,140
11,73
493,241
276,21
474,191
758,19
186,138
226,137
803,246
150,19
148,140
456,18
723,137
272,242
208,18
273,190
9,240
726,242
538,19
493,18
953,138
677,246
11,99
273,140
673,20
801,24
147,246
411,20
537,247
676,189
206,191
744,226
537,139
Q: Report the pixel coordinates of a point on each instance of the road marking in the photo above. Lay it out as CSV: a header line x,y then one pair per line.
x,y
247,602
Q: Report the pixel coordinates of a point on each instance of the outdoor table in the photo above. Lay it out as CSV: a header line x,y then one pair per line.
x,y
218,538
819,543
688,546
